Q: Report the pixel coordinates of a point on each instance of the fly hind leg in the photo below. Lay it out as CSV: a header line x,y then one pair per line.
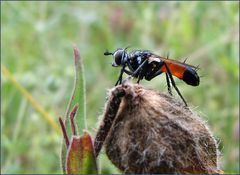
x,y
151,76
168,84
173,84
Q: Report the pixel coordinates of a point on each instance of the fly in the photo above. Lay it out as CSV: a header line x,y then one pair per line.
x,y
145,64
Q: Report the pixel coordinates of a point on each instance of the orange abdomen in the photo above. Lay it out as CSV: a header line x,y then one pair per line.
x,y
182,71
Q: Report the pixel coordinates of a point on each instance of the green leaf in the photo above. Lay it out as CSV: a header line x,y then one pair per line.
x,y
79,93
80,156
78,97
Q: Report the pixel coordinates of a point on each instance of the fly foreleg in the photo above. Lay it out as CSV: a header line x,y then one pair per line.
x,y
119,81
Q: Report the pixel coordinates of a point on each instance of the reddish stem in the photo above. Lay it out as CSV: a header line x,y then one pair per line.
x,y
64,132
72,115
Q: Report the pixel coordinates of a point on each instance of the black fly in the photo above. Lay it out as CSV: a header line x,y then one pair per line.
x,y
145,64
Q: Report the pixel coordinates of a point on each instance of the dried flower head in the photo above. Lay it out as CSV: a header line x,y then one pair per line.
x,y
150,132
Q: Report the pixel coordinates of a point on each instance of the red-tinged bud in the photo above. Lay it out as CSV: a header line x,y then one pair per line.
x,y
80,156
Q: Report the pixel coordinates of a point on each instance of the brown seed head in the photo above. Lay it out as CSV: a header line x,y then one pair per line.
x,y
154,133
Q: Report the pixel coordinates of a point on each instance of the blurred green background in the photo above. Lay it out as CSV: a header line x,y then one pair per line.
x,y
36,47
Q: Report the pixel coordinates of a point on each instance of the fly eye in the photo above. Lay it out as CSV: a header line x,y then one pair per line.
x,y
118,57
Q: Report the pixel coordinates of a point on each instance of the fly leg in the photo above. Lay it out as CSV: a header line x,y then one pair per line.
x,y
129,77
168,84
138,80
139,68
119,81
173,83
153,74
140,77
133,74
140,71
127,72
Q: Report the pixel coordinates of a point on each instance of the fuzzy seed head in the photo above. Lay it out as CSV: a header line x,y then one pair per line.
x,y
154,133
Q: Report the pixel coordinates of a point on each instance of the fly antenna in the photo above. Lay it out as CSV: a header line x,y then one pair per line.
x,y
107,53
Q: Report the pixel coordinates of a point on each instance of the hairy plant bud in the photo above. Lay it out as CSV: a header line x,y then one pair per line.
x,y
154,133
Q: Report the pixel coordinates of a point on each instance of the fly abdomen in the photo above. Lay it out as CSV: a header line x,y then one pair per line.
x,y
191,77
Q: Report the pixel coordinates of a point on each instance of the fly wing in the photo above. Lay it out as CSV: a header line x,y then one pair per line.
x,y
176,68
171,60
185,72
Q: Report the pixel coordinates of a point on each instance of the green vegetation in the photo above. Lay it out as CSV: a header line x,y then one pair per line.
x,y
36,47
